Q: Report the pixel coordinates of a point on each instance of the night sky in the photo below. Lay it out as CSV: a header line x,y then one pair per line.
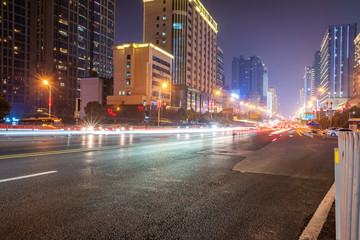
x,y
284,33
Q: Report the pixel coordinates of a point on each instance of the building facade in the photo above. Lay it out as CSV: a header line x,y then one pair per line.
x,y
336,65
15,68
317,69
140,70
187,30
250,77
309,86
355,101
70,40
272,101
220,76
95,89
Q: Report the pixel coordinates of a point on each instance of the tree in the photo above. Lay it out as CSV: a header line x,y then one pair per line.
x,y
5,107
182,114
193,115
95,113
325,122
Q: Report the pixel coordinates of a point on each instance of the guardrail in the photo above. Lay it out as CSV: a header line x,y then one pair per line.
x,y
347,183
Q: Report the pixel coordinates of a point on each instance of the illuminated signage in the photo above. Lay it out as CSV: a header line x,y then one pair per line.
x,y
307,116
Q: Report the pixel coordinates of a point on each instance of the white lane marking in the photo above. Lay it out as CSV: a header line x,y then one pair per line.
x,y
27,176
299,133
316,223
274,139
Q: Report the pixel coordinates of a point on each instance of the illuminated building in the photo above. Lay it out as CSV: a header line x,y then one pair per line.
x,y
140,70
187,30
70,40
309,86
220,80
15,54
336,65
355,101
250,77
316,65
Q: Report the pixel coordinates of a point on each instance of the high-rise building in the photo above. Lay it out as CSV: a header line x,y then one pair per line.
x,y
187,30
220,69
355,101
316,65
248,77
241,77
301,102
140,70
15,54
309,85
265,86
337,63
70,40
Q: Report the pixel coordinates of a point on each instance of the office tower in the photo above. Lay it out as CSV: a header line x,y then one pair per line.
x,y
316,65
257,81
265,86
309,85
301,102
248,77
235,74
271,100
187,30
70,40
15,54
220,69
355,101
337,63
140,70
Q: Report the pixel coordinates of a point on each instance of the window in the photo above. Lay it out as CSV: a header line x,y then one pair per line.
x,y
128,57
157,33
157,41
128,65
164,9
127,81
128,92
163,41
164,18
157,25
158,18
128,74
164,1
119,93
164,25
164,34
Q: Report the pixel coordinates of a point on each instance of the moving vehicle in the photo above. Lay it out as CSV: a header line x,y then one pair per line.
x,y
45,122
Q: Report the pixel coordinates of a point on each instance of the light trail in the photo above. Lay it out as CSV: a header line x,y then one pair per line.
x,y
27,176
10,133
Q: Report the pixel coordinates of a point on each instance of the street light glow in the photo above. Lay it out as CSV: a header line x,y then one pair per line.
x,y
164,85
46,82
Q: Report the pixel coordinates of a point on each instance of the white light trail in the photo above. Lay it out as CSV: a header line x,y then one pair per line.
x,y
26,176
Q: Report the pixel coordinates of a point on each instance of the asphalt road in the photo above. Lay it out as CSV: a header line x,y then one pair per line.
x,y
176,186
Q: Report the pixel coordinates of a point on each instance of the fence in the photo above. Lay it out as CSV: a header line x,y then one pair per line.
x,y
347,182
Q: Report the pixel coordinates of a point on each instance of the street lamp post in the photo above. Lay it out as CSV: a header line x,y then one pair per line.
x,y
46,82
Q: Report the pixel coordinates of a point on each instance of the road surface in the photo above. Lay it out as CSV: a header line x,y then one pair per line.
x,y
162,186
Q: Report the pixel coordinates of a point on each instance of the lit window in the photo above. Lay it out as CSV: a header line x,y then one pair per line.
x,y
119,93
164,18
128,65
128,74
123,93
128,92
164,34
164,42
127,81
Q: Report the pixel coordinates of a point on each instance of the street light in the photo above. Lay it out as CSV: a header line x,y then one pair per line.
x,y
46,82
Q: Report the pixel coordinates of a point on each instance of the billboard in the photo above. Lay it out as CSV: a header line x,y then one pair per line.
x,y
307,116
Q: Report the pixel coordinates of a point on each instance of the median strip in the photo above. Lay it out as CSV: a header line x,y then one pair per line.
x,y
26,176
